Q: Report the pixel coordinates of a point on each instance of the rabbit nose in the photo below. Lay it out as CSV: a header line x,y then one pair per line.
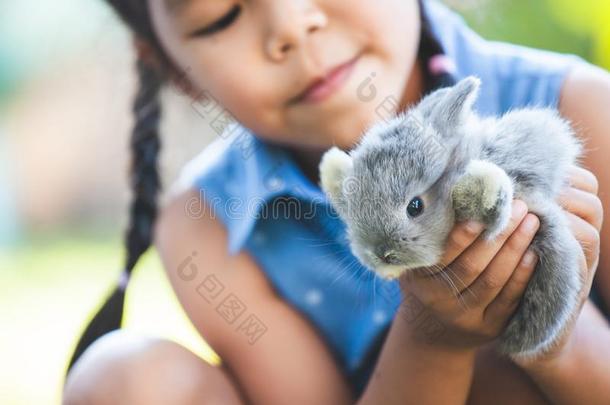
x,y
389,257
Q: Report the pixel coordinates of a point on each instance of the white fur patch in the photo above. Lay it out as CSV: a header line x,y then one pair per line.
x,y
333,168
494,178
390,272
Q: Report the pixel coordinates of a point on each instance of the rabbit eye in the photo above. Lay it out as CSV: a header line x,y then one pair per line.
x,y
415,207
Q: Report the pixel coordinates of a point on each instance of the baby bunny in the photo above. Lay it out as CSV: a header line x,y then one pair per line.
x,y
401,189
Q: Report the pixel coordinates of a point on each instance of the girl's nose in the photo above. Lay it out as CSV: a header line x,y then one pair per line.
x,y
289,24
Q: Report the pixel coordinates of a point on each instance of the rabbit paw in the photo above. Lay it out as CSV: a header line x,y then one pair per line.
x,y
484,193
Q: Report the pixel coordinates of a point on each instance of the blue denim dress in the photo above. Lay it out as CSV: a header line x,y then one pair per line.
x,y
284,221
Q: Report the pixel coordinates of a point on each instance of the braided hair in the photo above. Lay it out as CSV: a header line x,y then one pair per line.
x,y
145,146
143,174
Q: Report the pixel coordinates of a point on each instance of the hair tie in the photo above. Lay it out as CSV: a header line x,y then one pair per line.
x,y
441,63
123,280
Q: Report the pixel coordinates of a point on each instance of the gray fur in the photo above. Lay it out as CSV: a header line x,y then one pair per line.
x,y
463,167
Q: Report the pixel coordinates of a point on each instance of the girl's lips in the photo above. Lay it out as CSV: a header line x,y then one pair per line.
x,y
325,87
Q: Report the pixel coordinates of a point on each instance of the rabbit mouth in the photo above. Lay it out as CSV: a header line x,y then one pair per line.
x,y
393,271
391,274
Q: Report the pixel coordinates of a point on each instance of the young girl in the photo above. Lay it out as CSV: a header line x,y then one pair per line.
x,y
261,264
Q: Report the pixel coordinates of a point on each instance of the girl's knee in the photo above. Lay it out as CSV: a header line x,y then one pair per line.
x,y
123,367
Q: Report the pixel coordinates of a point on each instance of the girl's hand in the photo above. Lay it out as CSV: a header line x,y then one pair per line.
x,y
469,297
585,214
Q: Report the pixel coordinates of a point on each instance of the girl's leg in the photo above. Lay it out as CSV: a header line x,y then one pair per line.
x,y
124,368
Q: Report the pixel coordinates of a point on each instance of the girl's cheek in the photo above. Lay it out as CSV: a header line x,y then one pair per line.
x,y
252,107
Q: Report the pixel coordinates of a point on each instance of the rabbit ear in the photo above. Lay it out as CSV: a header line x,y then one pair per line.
x,y
448,107
427,106
334,167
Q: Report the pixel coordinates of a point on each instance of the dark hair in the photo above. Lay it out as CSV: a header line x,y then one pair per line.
x,y
430,48
145,145
143,173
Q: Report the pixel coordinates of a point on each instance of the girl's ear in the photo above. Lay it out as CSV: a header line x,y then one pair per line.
x,y
145,52
334,168
448,108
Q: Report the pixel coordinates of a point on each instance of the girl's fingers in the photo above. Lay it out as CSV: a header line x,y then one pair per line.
x,y
460,238
583,179
506,302
468,266
489,284
444,281
584,204
589,240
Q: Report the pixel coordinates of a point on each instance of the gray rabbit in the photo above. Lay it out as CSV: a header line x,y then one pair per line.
x,y
407,181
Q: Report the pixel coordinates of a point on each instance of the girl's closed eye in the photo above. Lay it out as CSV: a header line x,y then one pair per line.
x,y
219,24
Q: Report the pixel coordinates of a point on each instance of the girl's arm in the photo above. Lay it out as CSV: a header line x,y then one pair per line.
x,y
585,100
580,373
409,372
273,354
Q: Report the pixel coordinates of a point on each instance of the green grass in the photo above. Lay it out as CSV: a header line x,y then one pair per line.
x,y
49,288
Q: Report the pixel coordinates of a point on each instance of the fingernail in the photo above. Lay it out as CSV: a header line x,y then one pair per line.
x,y
530,223
474,226
529,258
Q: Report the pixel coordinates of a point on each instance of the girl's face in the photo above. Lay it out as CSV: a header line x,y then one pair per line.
x,y
265,53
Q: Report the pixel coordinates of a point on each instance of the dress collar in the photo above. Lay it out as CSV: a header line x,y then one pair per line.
x,y
268,171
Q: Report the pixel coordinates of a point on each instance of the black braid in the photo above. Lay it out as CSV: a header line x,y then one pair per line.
x,y
145,146
145,183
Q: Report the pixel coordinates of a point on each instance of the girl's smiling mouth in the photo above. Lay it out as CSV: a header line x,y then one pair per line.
x,y
323,87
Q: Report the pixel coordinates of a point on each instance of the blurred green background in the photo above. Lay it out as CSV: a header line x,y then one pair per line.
x,y
65,85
